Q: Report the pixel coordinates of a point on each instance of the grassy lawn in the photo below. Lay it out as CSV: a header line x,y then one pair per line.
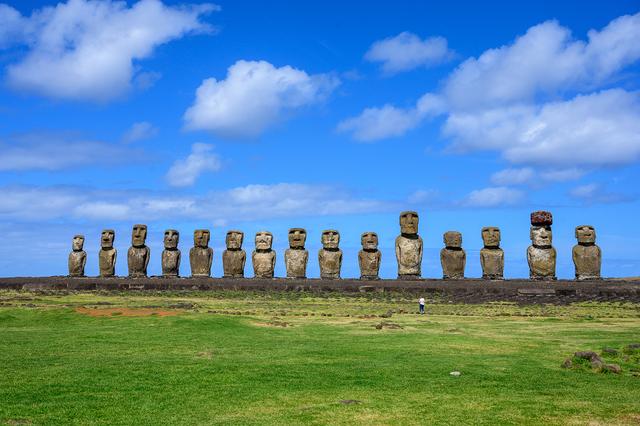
x,y
291,358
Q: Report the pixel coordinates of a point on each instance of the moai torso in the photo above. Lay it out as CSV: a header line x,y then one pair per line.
x,y
491,255
264,263
107,262
542,262
369,262
492,262
330,263
587,256
171,263
296,261
453,263
201,259
137,260
409,246
77,261
233,262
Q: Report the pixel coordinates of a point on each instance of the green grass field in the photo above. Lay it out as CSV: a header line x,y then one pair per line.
x,y
293,358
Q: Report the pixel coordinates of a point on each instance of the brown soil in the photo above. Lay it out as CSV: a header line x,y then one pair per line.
x,y
126,312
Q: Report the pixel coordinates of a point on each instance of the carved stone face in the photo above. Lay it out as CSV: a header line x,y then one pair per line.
x,y
171,237
541,236
491,236
78,243
369,241
297,237
409,222
234,240
330,239
264,240
452,239
138,235
106,240
201,238
586,234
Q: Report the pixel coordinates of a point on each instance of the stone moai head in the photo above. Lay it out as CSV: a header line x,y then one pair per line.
x,y
107,238
369,241
234,240
138,235
264,240
297,238
540,234
586,235
201,238
77,243
452,239
330,239
491,236
409,222
171,238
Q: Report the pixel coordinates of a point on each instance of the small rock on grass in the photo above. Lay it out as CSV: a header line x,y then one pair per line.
x,y
612,368
610,351
455,373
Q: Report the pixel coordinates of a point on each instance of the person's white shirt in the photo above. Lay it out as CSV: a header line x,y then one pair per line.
x,y
421,301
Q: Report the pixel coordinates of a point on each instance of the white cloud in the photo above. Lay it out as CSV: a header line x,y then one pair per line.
x,y
422,196
562,175
513,176
594,193
140,131
85,50
407,51
251,202
600,129
529,176
254,95
388,121
12,25
57,151
493,197
184,172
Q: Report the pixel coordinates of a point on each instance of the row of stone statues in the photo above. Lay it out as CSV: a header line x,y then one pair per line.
x,y
541,255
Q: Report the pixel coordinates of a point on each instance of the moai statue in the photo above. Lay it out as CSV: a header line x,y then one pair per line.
x,y
263,257
330,256
409,247
587,256
369,257
234,258
171,254
541,256
201,255
108,254
296,257
77,257
138,254
452,256
491,255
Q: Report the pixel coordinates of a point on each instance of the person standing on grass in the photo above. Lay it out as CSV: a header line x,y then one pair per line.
x,y
421,303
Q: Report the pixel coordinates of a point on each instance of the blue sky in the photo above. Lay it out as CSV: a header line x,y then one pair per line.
x,y
256,115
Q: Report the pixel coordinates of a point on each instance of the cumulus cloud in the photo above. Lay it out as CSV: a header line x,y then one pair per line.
x,y
530,176
497,196
251,202
140,131
56,151
388,121
594,193
87,49
184,172
254,96
407,51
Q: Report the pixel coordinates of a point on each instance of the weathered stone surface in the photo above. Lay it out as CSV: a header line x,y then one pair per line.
x,y
77,257
171,255
491,255
264,257
296,257
541,256
330,256
201,255
453,257
409,247
369,257
234,258
108,254
138,254
587,256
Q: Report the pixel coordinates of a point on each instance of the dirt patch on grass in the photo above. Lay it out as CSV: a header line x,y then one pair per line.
x,y
126,312
274,322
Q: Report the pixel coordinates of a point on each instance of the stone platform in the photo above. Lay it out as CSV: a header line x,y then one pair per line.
x,y
462,291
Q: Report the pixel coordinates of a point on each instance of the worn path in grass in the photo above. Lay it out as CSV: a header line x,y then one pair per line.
x,y
271,359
